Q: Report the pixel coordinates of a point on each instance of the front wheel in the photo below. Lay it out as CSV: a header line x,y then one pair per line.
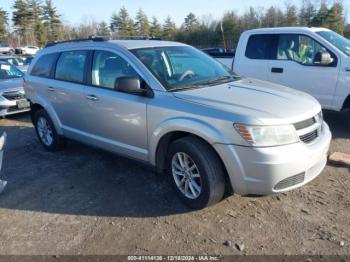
x,y
196,172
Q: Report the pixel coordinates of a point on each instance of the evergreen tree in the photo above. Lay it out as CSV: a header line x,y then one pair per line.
x,y
321,18
155,28
122,23
335,18
142,24
21,19
36,21
273,17
52,21
231,28
251,19
3,24
307,13
169,29
103,30
114,22
191,22
291,17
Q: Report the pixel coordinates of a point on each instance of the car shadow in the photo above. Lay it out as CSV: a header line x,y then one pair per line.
x,y
337,124
80,180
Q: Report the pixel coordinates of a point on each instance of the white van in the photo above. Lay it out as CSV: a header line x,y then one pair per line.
x,y
313,60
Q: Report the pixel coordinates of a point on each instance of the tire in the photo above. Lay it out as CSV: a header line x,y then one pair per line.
x,y
50,140
206,183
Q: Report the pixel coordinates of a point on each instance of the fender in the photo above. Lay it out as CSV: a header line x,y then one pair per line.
x,y
49,109
183,124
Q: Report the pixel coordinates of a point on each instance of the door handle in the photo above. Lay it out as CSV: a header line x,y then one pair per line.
x,y
278,70
347,69
92,97
50,88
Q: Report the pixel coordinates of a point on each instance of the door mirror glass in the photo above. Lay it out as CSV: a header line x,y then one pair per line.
x,y
323,58
130,85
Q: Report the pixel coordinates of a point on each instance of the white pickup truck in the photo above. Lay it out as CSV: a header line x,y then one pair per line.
x,y
313,60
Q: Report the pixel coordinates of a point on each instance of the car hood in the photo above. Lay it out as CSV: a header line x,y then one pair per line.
x,y
255,101
11,84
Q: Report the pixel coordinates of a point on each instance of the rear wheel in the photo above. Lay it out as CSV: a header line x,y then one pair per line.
x,y
46,131
196,172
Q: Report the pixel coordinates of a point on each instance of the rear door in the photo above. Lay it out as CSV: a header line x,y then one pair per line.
x,y
293,64
66,91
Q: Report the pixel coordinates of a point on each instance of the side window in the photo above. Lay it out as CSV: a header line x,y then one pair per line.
x,y
71,66
259,46
107,67
43,66
299,48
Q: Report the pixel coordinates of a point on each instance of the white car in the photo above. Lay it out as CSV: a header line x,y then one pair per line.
x,y
312,60
28,50
6,49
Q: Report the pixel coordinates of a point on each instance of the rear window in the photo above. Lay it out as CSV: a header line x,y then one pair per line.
x,y
71,66
260,46
44,65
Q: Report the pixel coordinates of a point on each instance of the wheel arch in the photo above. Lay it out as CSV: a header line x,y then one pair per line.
x,y
37,105
346,104
164,144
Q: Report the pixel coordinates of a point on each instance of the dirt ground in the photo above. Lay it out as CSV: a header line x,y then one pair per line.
x,y
86,201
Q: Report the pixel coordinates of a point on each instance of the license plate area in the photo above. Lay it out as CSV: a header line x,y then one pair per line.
x,y
22,104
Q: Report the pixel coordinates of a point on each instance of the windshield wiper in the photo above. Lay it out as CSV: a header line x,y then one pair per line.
x,y
192,86
218,80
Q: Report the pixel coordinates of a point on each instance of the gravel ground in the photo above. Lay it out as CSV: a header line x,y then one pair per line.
x,y
86,201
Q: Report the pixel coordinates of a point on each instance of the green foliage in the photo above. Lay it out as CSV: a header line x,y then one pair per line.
x,y
21,18
122,24
142,24
3,24
103,30
191,23
52,21
35,22
155,28
169,29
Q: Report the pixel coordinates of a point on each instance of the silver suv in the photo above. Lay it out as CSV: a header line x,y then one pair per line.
x,y
182,112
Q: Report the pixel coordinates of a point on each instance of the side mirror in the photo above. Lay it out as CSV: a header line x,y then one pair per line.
x,y
323,58
130,85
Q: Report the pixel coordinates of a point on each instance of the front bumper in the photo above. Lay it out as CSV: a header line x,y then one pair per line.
x,y
10,107
263,171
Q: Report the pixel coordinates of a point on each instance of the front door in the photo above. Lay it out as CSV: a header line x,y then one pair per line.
x,y
115,121
295,65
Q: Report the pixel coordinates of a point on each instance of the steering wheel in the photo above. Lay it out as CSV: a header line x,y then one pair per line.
x,y
186,74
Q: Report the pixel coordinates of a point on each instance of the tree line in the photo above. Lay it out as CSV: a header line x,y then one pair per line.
x,y
37,22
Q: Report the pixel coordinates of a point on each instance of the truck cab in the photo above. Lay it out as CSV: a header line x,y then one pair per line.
x,y
312,60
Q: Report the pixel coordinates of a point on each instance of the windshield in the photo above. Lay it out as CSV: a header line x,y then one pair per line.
x,y
13,61
183,67
9,71
337,40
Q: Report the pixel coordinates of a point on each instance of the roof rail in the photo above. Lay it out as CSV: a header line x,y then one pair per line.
x,y
91,38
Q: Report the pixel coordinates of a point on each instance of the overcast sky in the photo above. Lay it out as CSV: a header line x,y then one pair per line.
x,y
75,11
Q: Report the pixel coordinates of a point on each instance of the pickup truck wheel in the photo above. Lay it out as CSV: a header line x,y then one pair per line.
x,y
46,131
196,172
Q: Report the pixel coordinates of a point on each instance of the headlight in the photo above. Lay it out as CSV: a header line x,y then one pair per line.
x,y
265,136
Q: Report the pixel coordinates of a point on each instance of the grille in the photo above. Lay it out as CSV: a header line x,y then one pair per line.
x,y
290,181
14,95
309,137
305,123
